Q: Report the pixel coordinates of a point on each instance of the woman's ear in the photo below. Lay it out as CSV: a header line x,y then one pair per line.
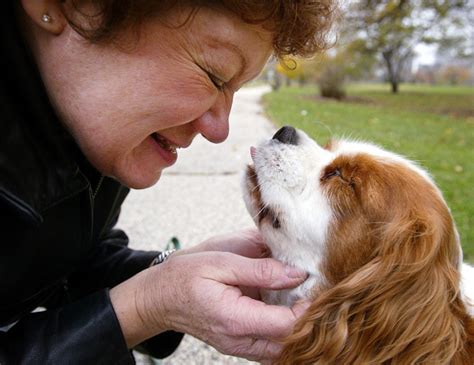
x,y
47,14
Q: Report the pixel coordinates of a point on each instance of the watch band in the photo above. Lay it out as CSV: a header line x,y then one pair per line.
x,y
162,256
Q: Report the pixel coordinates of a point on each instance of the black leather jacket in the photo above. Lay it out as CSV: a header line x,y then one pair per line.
x,y
58,247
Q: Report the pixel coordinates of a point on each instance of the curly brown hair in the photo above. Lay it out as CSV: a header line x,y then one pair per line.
x,y
300,27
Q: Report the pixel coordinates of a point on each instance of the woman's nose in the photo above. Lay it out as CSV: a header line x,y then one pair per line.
x,y
214,123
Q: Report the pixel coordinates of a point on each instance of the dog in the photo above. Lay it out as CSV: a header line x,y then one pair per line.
x,y
379,244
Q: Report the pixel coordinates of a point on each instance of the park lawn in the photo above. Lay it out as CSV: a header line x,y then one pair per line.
x,y
431,125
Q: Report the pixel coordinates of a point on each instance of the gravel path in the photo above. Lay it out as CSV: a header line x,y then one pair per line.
x,y
197,198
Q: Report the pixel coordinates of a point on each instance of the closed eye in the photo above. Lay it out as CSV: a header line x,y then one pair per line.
x,y
218,83
332,173
337,173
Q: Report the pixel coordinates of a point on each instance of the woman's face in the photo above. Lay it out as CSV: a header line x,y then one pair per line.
x,y
128,110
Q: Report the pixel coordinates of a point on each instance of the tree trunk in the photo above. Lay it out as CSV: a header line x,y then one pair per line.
x,y
394,84
392,73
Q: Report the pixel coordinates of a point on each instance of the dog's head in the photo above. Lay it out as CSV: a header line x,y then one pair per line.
x,y
374,230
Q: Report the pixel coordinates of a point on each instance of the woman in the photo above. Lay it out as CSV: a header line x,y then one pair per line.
x,y
97,96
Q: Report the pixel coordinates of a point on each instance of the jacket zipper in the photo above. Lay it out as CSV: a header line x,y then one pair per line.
x,y
98,187
92,195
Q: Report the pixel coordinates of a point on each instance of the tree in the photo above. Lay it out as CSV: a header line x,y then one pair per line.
x,y
330,74
332,70
454,75
390,29
458,41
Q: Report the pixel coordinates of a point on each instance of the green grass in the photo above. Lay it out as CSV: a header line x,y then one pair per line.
x,y
431,125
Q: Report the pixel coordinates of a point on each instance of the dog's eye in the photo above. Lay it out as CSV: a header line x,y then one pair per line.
x,y
331,173
328,174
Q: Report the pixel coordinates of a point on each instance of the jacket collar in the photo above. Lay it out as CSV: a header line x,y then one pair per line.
x,y
38,158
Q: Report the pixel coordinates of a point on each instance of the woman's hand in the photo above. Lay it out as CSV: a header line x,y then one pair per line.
x,y
198,293
247,242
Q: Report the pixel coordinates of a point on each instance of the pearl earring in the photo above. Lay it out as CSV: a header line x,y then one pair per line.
x,y
46,18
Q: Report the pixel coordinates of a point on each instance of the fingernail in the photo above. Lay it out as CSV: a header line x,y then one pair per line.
x,y
304,306
301,307
294,272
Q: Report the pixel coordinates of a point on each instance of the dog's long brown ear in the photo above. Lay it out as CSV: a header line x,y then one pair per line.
x,y
402,307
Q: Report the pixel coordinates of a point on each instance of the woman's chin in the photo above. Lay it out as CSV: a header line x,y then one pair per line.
x,y
139,180
139,169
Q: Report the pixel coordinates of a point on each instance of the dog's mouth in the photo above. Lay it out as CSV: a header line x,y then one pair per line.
x,y
264,212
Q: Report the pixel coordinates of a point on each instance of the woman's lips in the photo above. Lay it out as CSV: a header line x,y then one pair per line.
x,y
165,148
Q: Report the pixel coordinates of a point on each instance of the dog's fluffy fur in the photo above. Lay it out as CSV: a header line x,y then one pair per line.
x,y
383,254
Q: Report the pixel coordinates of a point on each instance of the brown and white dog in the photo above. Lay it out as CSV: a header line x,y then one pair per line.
x,y
379,243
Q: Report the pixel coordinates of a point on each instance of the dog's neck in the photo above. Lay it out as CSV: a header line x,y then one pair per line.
x,y
297,255
300,258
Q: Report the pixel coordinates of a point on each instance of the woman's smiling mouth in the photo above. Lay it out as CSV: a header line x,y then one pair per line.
x,y
166,148
164,143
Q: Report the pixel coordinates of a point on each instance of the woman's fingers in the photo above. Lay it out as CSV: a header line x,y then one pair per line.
x,y
247,242
253,293
254,349
258,273
263,321
262,350
300,307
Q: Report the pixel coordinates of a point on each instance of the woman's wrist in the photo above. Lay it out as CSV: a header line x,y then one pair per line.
x,y
129,300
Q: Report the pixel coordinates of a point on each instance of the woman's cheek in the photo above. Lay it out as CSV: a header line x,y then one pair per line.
x,y
190,103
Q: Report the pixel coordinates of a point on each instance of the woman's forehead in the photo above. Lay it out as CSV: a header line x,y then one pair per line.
x,y
224,34
224,27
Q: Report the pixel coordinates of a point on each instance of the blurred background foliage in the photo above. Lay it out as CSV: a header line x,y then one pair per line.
x,y
376,41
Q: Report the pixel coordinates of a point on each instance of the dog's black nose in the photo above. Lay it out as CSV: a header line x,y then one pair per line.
x,y
287,135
